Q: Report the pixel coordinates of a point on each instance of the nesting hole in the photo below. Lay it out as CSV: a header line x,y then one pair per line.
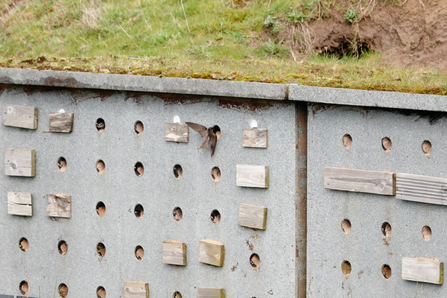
x,y
101,292
100,209
139,169
100,124
386,144
426,233
63,290
178,171
386,271
426,147
62,247
100,166
177,213
139,128
346,267
255,261
24,287
347,141
386,229
62,164
23,244
215,216
346,226
100,249
139,211
215,174
177,294
139,252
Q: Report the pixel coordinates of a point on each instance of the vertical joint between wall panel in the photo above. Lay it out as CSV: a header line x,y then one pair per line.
x,y
301,197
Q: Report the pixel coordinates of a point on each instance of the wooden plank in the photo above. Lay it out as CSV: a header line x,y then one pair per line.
x,y
419,188
19,116
176,132
61,122
423,270
211,252
136,289
383,183
252,216
252,176
20,162
255,138
20,203
174,252
59,205
210,293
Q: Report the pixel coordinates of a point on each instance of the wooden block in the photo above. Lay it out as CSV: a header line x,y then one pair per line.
x,y
418,188
252,176
210,293
252,216
383,183
176,132
59,205
423,270
20,162
20,203
174,252
61,122
211,252
136,289
19,116
255,138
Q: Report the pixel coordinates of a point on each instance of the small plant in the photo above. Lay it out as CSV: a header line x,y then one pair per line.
x,y
272,48
309,5
296,16
269,21
352,15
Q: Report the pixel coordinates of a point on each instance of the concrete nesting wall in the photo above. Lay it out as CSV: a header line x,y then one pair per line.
x,y
318,242
157,190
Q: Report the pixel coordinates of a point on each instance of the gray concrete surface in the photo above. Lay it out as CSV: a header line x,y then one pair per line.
x,y
365,247
157,190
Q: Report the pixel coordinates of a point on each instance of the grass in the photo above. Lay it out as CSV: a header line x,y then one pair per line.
x,y
213,39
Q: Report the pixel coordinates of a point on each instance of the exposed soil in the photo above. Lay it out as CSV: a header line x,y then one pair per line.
x,y
413,33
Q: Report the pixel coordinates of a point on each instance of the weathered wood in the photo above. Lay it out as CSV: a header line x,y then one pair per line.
x,y
252,216
255,138
59,205
176,132
211,252
20,162
252,176
136,289
210,293
19,116
20,203
423,270
383,183
174,252
61,122
418,188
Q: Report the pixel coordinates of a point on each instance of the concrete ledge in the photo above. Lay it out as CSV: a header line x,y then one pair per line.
x,y
86,80
366,98
291,92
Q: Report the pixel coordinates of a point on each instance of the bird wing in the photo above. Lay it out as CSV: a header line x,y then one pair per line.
x,y
213,141
202,130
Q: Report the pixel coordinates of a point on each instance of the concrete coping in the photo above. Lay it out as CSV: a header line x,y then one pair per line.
x,y
202,87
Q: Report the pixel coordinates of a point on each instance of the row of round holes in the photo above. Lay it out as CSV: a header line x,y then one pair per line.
x,y
139,169
386,229
346,269
139,254
139,212
387,144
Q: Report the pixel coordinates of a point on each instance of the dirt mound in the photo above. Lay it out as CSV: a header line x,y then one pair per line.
x,y
413,33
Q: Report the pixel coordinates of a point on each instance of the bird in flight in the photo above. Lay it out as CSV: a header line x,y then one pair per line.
x,y
212,134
